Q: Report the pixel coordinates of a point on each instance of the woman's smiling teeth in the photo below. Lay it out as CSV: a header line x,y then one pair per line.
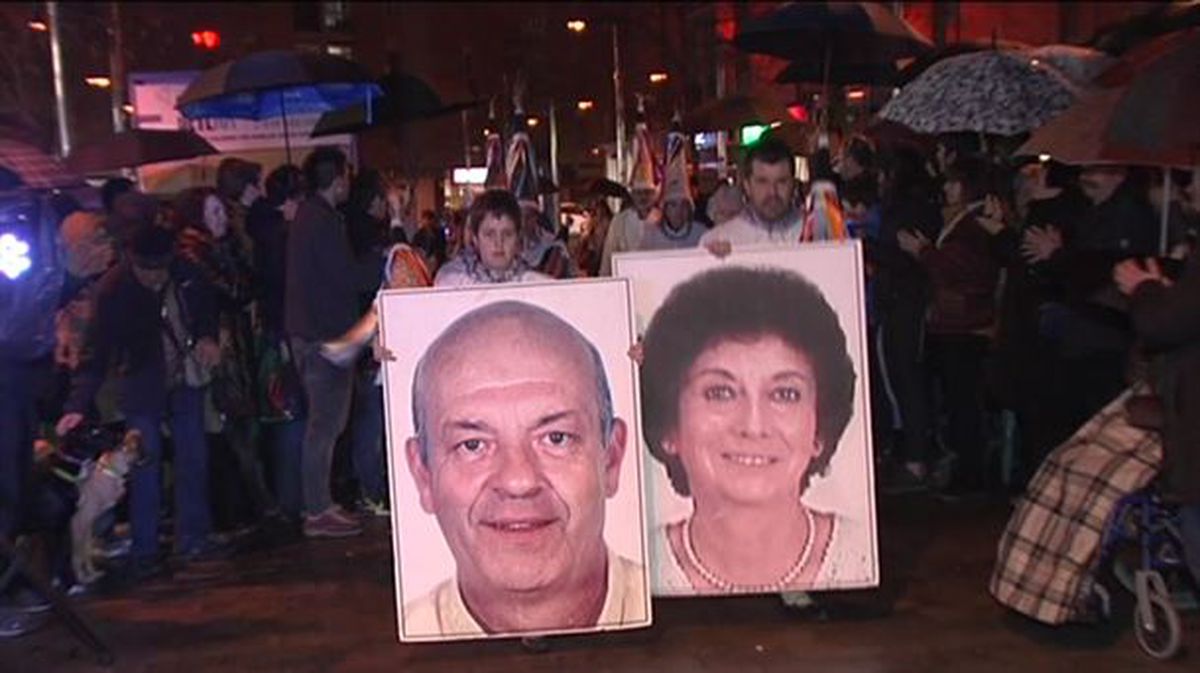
x,y
749,459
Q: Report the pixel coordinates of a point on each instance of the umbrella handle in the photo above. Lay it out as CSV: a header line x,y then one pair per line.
x,y
287,143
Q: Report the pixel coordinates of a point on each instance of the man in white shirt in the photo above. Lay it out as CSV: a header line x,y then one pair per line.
x,y
769,183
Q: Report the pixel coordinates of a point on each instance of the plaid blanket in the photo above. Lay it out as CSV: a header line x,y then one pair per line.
x,y
1049,550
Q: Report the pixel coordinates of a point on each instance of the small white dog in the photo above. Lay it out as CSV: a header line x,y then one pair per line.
x,y
99,491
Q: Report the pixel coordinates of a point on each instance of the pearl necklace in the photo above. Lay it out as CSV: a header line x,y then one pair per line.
x,y
729,587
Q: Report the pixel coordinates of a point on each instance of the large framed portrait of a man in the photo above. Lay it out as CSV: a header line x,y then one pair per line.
x,y
513,451
755,415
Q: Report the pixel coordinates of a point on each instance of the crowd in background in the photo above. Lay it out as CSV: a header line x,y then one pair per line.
x,y
995,328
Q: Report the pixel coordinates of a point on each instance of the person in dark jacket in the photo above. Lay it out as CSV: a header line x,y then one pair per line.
x,y
963,266
1092,335
156,320
323,282
901,291
1166,315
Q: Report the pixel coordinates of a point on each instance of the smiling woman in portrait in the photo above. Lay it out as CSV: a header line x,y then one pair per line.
x,y
747,388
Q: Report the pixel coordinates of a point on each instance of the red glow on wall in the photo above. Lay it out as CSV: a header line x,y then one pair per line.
x,y
799,112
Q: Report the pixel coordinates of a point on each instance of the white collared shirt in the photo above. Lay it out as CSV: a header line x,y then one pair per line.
x,y
442,613
745,229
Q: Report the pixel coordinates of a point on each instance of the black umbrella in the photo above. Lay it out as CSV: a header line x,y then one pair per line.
x,y
832,32
270,84
607,188
138,147
813,72
406,98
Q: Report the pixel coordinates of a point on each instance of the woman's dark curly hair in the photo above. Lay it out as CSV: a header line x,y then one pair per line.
x,y
743,303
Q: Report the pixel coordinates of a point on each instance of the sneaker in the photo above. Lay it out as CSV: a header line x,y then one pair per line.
x,y
329,524
341,515
16,622
375,507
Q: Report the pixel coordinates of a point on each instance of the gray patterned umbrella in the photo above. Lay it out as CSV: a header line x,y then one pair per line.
x,y
1001,92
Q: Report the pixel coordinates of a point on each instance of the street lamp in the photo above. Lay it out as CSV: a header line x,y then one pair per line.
x,y
585,105
658,77
578,26
98,81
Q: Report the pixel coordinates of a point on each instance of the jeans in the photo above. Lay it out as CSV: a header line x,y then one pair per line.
x,y
16,444
329,390
367,436
903,332
287,443
193,518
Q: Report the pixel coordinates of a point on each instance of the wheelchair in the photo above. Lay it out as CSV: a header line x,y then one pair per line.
x,y
1143,550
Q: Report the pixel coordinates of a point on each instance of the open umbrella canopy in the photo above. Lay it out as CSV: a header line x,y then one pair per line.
x,y
270,84
138,147
1081,64
837,32
406,98
734,112
998,92
1148,119
23,165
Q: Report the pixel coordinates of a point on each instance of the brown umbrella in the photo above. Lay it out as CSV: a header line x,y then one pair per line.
x,y
138,147
23,165
1147,119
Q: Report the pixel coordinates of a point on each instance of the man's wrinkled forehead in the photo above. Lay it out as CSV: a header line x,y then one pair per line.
x,y
476,342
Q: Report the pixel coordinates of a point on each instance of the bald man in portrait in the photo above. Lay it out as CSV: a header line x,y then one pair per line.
x,y
516,451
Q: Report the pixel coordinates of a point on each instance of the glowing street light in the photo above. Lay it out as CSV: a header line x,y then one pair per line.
x,y
532,122
38,26
585,105
658,77
577,25
856,94
98,81
14,256
1043,157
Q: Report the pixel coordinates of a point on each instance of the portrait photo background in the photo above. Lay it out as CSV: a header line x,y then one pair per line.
x,y
847,488
410,320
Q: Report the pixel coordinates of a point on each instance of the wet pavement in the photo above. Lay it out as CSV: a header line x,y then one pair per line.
x,y
328,606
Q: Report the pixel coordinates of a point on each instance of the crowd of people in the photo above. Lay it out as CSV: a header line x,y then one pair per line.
x,y
239,317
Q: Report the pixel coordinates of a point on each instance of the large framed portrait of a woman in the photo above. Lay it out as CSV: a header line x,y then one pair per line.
x,y
755,417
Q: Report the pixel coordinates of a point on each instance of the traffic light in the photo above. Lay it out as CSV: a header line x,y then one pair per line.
x,y
206,39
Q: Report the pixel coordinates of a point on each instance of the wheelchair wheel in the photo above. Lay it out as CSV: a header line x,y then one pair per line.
x,y
1162,635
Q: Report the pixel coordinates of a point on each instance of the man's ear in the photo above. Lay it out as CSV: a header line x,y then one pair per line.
x,y
614,454
420,473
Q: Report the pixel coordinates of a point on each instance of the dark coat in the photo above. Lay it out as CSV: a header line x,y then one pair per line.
x,y
1168,321
964,270
323,275
128,332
